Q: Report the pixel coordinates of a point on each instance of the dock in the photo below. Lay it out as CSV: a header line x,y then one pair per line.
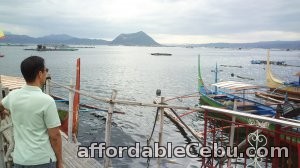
x,y
69,149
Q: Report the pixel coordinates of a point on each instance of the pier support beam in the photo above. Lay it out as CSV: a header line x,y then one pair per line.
x,y
107,161
47,85
70,118
160,134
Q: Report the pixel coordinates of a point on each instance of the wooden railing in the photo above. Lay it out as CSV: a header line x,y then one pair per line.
x,y
163,108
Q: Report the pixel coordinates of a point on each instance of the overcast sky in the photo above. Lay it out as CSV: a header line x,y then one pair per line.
x,y
167,21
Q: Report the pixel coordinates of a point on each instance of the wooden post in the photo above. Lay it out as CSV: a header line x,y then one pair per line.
x,y
70,117
2,163
160,134
47,89
232,130
107,161
6,91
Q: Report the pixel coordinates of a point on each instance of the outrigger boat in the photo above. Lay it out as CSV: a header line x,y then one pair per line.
x,y
292,89
223,99
233,101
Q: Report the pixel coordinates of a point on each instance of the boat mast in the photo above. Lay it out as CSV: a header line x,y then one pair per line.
x,y
200,81
216,77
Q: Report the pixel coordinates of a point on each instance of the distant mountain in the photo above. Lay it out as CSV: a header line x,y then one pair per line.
x,y
51,39
264,44
134,39
55,38
19,39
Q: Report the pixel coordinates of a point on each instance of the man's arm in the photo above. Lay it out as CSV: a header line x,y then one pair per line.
x,y
1,108
55,140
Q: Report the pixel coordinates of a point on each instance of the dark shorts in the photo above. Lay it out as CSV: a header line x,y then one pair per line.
x,y
47,165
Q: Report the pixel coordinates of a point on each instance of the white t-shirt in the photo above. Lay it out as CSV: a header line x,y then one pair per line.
x,y
32,112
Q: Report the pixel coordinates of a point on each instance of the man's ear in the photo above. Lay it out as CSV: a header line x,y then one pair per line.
x,y
40,74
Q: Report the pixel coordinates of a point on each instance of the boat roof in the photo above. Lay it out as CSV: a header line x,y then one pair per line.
x,y
236,86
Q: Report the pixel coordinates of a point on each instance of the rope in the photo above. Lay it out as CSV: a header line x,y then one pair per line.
x,y
149,140
187,113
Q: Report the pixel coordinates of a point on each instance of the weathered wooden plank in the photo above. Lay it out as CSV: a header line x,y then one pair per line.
x,y
12,82
70,158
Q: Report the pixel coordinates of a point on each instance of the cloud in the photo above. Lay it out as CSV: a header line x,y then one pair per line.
x,y
184,19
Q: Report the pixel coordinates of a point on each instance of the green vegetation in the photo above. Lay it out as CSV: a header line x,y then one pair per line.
x,y
62,114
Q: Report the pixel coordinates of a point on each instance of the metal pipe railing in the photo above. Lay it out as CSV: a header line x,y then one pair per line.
x,y
201,108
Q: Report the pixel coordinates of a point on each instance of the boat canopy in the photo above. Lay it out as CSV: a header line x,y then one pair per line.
x,y
236,86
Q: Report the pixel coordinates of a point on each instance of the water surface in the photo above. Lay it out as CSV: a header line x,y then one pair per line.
x,y
136,75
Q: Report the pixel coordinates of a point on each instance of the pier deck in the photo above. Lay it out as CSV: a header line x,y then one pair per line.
x,y
70,158
11,82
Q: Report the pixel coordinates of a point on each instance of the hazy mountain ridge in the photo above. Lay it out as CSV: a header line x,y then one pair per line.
x,y
137,39
262,44
133,39
51,39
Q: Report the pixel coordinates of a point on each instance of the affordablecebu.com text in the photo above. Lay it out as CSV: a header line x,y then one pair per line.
x,y
100,150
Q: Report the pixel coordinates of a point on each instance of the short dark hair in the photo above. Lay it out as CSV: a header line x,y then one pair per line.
x,y
31,66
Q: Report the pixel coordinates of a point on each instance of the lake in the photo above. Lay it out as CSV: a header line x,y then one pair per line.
x,y
136,75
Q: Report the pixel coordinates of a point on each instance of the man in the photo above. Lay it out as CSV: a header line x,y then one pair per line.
x,y
35,120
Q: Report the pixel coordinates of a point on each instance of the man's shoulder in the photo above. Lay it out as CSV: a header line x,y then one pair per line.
x,y
47,97
13,92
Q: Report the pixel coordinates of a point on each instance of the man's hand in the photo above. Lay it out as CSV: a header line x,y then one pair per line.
x,y
59,165
1,108
3,114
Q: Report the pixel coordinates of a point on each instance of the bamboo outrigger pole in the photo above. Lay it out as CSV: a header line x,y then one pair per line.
x,y
107,160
